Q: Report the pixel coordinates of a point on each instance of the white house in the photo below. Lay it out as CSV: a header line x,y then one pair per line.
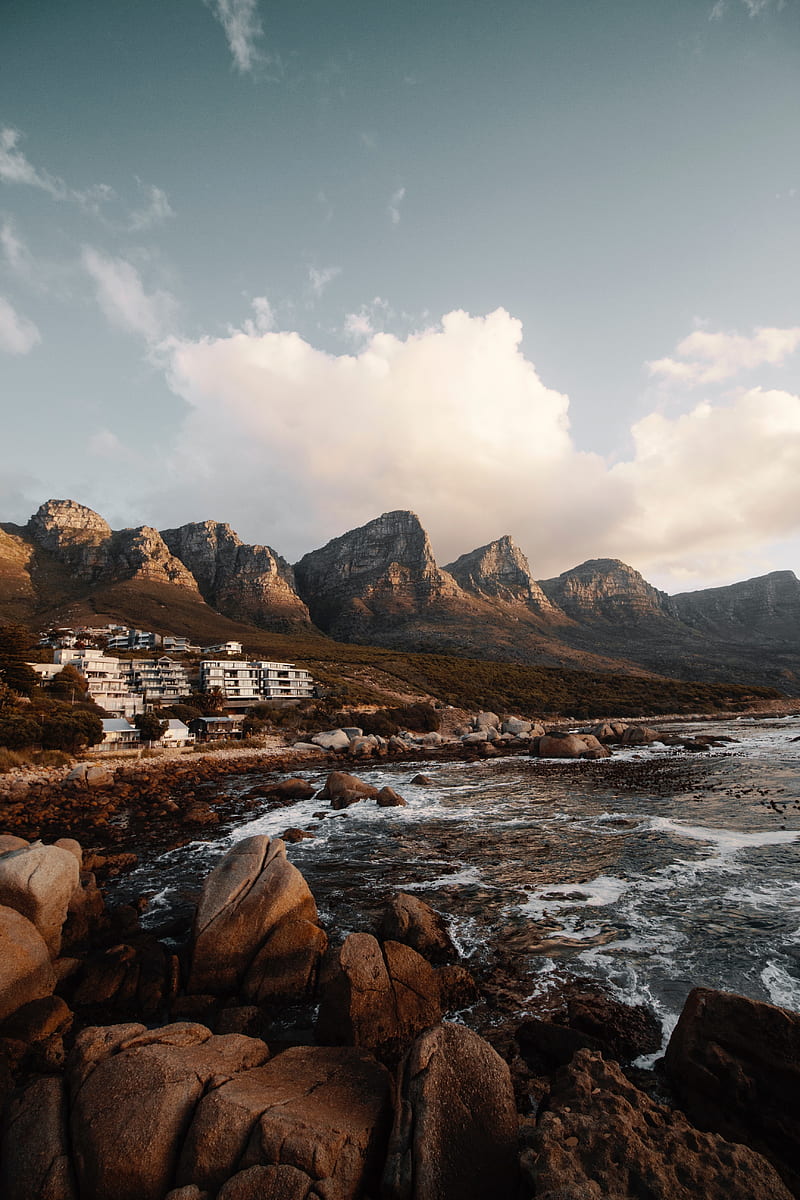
x,y
118,734
176,733
242,680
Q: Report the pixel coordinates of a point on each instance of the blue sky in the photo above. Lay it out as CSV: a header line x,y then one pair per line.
x,y
525,268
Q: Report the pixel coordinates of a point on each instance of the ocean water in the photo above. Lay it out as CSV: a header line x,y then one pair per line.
x,y
652,872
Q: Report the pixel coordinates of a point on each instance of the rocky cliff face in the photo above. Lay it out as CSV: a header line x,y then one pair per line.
x,y
383,572
81,539
246,582
605,589
500,571
767,606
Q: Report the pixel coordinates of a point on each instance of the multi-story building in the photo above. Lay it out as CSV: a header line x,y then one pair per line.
x,y
133,639
107,685
241,680
157,679
224,648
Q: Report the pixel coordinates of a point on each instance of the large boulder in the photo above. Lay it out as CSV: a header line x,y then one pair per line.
x,y
332,739
322,1112
26,972
409,920
735,1066
131,1107
90,775
571,745
455,1124
242,926
34,1156
639,735
379,997
600,1136
39,881
343,789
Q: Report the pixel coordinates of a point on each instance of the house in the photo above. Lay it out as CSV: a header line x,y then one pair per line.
x,y
134,639
118,734
107,686
215,729
224,648
243,680
176,733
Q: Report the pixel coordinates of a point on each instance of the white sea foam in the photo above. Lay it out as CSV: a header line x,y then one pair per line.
x,y
727,841
783,988
606,889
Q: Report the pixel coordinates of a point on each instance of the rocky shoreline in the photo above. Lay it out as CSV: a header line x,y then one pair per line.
x,y
255,1054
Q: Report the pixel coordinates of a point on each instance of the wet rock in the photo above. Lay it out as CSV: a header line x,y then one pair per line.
x,y
26,972
249,895
34,1158
291,789
457,988
624,1031
569,745
129,1113
411,921
735,1066
39,881
343,789
545,1045
601,1137
639,735
84,912
388,798
455,1126
377,996
425,780
320,1112
293,835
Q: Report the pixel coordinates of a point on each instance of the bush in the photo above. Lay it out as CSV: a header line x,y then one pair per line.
x,y
71,731
18,730
9,759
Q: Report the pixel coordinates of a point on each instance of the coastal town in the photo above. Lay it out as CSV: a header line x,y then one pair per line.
x,y
130,684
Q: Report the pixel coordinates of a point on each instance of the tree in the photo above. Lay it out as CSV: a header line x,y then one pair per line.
x,y
151,727
69,684
18,730
15,644
71,730
208,703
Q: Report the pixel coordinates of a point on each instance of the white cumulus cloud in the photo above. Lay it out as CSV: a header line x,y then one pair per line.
x,y
294,446
18,335
123,298
705,357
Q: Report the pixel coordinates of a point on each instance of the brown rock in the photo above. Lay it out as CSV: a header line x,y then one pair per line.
x,y
26,972
293,835
249,894
455,1126
735,1067
285,968
9,842
602,1137
343,790
378,997
34,1159
277,1183
291,789
457,988
388,798
571,745
410,920
639,735
38,881
328,1115
129,1114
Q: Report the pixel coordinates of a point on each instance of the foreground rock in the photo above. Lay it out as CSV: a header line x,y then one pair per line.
x,y
411,921
321,1112
26,972
39,882
343,790
379,997
570,745
256,927
602,1137
735,1067
455,1128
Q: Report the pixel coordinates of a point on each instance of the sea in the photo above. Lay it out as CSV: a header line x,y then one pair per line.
x,y
651,872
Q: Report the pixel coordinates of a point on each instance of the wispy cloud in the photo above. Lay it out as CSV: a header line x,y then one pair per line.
x,y
393,207
123,298
713,357
18,335
15,251
154,211
243,29
16,168
319,280
754,8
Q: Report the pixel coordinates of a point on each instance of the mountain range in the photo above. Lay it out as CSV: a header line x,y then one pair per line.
x,y
380,585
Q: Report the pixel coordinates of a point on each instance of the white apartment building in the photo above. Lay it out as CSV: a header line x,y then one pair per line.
x,y
107,685
133,639
240,680
157,679
224,648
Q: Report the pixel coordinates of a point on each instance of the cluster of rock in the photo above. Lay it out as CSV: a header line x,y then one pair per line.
x,y
382,1098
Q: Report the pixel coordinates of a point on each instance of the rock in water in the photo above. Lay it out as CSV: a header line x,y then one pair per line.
x,y
601,1137
455,1126
414,923
256,919
735,1066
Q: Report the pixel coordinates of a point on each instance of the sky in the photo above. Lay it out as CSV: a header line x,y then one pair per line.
x,y
526,268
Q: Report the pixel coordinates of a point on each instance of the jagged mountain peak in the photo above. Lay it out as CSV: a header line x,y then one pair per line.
x,y
499,570
606,589
58,521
